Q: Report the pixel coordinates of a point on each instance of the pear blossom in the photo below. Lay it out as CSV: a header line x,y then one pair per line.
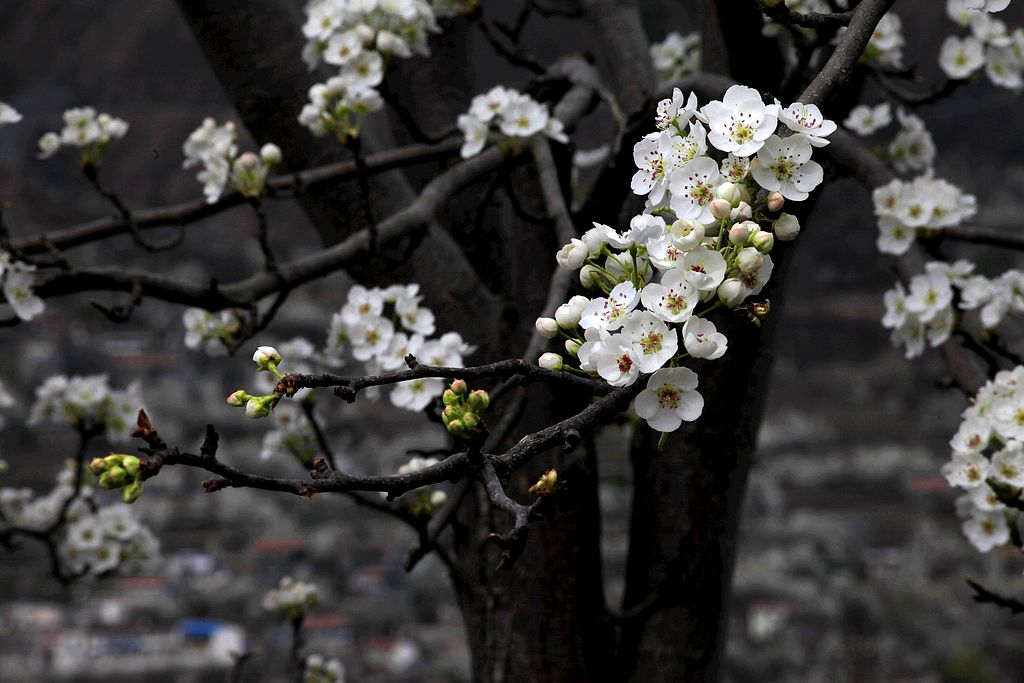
x,y
8,114
928,295
654,342
966,470
609,313
703,340
617,361
1008,465
693,187
488,105
885,45
865,120
670,398
675,112
703,268
735,168
676,56
986,530
18,292
740,122
807,120
785,165
673,300
959,58
416,394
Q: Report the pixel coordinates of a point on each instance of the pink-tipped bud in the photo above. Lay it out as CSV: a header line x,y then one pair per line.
x,y
775,201
741,232
238,398
459,387
721,208
547,327
742,212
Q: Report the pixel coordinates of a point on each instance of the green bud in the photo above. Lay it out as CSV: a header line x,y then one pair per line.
x,y
112,460
130,463
455,428
113,478
478,400
470,421
131,492
449,398
97,466
459,387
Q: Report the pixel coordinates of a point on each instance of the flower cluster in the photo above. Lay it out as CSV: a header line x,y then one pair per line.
x,y
109,540
358,38
117,471
381,326
421,502
676,57
214,148
292,598
18,278
904,208
925,313
912,149
84,129
886,43
990,44
988,460
211,331
677,174
88,400
462,409
8,114
994,298
662,278
320,670
95,540
865,120
513,115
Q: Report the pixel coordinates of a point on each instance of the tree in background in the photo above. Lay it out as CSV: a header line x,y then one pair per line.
x,y
702,152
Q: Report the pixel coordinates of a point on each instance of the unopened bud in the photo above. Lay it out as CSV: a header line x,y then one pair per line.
x,y
572,346
730,192
97,466
387,42
547,483
455,427
131,465
112,460
742,212
731,292
568,316
590,277
787,227
131,492
721,208
265,356
449,398
365,34
113,478
256,408
741,232
749,260
686,234
460,387
550,361
775,201
271,154
249,160
478,400
448,414
238,398
470,421
763,241
547,327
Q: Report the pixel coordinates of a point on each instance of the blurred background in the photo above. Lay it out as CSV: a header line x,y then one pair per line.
x,y
851,562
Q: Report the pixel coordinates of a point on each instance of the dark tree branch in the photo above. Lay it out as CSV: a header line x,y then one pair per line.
x,y
984,595
782,13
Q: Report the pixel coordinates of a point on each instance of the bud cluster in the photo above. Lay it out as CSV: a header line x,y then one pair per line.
x,y
117,471
463,408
